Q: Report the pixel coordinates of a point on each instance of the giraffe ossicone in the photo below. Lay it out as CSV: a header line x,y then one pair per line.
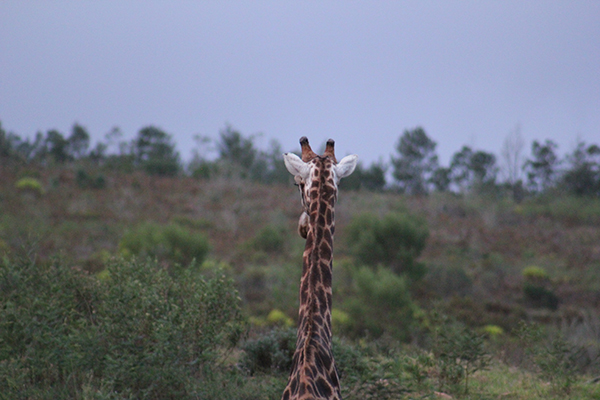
x,y
314,374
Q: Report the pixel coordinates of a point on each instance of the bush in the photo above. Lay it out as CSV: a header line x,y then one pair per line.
x,y
161,167
269,239
340,320
84,180
395,241
536,288
278,317
265,288
534,273
554,357
139,333
349,360
164,328
540,297
28,184
42,309
172,243
381,303
273,351
459,352
493,331
201,169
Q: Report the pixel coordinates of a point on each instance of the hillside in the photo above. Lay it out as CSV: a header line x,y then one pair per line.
x,y
488,261
490,238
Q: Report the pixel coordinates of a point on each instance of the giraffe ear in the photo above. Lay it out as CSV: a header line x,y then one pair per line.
x,y
346,166
295,165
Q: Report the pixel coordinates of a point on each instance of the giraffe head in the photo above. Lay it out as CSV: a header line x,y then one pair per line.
x,y
312,170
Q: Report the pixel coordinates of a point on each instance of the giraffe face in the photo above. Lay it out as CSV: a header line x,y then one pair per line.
x,y
312,168
303,171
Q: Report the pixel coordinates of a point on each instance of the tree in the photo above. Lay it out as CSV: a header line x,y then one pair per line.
x,y
474,170
154,150
267,166
31,151
236,149
542,167
200,166
372,178
78,142
460,172
441,179
116,153
484,168
583,178
272,168
416,163
512,158
6,143
57,146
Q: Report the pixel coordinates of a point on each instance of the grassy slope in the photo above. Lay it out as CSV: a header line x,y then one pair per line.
x,y
491,240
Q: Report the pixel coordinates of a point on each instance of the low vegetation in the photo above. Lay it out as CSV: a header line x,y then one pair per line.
x,y
133,331
124,275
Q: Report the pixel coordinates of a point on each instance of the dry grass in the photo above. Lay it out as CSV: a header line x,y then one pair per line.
x,y
491,239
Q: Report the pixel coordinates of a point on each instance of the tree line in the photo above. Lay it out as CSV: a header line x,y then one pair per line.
x,y
415,166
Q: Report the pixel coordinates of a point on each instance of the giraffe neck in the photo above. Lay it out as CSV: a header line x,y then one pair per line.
x,y
314,375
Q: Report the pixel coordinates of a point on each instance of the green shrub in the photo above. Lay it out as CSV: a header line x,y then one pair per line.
x,y
265,288
202,169
534,273
270,352
380,303
29,184
394,241
418,366
273,352
349,359
539,296
42,309
557,362
139,333
84,180
4,248
459,352
172,243
162,327
269,239
278,317
340,320
161,167
493,331
381,376
536,289
233,384
554,357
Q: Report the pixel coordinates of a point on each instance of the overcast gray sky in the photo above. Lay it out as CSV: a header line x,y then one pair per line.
x,y
359,72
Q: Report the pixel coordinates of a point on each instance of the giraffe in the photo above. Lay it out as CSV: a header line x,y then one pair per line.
x,y
314,375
